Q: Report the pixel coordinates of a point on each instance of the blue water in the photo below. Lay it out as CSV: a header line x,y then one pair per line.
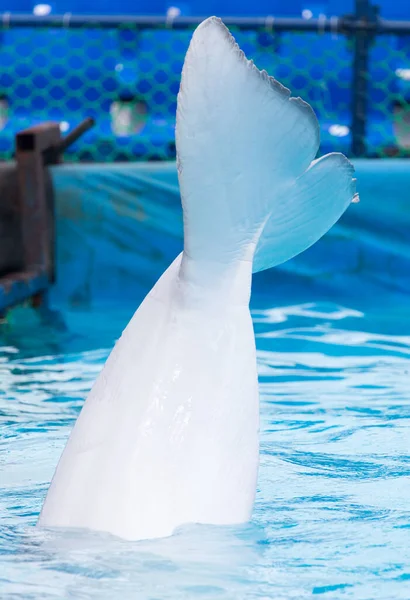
x,y
332,515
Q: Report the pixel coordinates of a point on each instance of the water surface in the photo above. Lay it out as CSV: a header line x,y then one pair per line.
x,y
332,515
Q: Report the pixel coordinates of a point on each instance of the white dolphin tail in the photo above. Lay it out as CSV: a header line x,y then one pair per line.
x,y
251,148
241,141
169,433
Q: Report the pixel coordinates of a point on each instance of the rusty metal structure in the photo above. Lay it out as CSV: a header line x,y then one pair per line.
x,y
27,213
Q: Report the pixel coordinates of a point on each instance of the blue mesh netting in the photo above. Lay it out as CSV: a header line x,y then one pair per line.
x,y
128,79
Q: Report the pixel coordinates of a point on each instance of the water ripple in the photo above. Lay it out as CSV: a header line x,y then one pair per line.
x,y
332,514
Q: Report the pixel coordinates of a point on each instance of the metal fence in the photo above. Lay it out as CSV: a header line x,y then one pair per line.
x,y
124,72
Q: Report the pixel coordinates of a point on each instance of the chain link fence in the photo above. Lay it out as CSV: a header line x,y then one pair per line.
x,y
127,77
388,106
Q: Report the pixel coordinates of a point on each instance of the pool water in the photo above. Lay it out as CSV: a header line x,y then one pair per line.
x,y
332,515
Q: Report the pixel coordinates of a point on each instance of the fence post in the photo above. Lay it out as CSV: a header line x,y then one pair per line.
x,y
364,12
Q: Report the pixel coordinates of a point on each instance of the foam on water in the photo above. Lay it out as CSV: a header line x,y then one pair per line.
x,y
332,514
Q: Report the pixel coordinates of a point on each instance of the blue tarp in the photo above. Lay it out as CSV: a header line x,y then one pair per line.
x,y
119,226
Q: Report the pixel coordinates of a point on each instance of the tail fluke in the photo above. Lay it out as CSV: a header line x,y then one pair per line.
x,y
306,211
245,151
241,141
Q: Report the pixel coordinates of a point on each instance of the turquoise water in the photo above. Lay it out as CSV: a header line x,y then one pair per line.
x,y
332,515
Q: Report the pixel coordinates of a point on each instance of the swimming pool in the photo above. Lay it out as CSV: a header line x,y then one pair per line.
x,y
333,339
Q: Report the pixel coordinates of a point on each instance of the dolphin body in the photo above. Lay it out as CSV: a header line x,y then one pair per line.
x,y
169,433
